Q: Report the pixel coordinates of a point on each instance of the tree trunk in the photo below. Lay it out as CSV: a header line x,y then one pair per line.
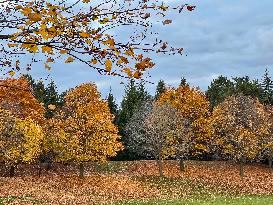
x,y
12,171
270,164
81,170
182,165
160,167
241,168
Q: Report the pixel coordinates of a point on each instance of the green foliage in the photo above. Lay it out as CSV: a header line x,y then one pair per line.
x,y
160,88
48,95
112,106
267,89
134,96
222,87
219,89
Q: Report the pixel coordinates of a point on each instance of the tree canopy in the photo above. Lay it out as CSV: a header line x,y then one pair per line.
x,y
83,30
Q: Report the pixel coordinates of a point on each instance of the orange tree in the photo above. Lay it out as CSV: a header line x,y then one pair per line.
x,y
83,30
83,130
194,107
20,140
266,142
239,124
16,96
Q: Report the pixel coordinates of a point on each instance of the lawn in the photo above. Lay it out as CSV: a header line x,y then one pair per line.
x,y
244,200
138,183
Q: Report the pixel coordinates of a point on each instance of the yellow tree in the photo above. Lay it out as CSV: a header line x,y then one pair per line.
x,y
239,124
16,96
83,30
20,140
194,107
266,142
84,128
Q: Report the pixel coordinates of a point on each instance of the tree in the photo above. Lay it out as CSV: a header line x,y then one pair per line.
x,y
239,123
16,96
219,90
20,140
247,87
58,29
160,88
153,130
266,141
183,82
46,94
134,96
52,100
267,89
194,107
112,106
89,133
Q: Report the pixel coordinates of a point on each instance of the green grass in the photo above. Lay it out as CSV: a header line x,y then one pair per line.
x,y
245,200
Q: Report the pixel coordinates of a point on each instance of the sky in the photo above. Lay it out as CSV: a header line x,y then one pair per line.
x,y
220,37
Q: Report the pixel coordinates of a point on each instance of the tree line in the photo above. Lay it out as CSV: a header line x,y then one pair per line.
x,y
232,120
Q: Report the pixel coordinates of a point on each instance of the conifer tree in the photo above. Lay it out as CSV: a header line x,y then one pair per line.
x,y
134,96
183,82
112,106
160,88
267,89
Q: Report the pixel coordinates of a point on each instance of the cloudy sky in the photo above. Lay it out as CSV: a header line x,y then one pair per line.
x,y
221,37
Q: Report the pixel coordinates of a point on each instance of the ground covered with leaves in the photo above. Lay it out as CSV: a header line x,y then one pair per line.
x,y
132,182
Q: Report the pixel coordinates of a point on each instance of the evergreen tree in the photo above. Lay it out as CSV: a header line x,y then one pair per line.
x,y
112,105
160,88
247,87
183,82
267,89
219,89
134,96
47,95
51,98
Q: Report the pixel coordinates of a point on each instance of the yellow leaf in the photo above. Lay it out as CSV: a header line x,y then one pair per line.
x,y
130,52
12,45
94,61
108,65
47,66
47,49
69,60
11,73
63,51
51,107
26,11
84,34
50,60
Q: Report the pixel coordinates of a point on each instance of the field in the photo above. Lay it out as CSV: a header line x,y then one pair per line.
x,y
203,182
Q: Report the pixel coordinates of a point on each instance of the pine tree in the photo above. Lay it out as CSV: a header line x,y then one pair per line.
x,y
183,82
112,106
267,88
160,88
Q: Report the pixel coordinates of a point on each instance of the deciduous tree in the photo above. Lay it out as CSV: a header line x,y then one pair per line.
x,y
16,96
194,107
83,30
239,124
89,133
155,129
20,140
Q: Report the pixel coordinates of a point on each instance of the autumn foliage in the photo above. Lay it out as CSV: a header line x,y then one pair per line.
x,y
59,30
194,107
16,96
83,129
